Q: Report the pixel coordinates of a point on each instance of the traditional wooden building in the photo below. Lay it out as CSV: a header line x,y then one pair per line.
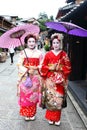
x,y
30,21
5,24
66,9
77,46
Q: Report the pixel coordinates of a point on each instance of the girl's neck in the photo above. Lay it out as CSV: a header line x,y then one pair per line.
x,y
56,52
32,49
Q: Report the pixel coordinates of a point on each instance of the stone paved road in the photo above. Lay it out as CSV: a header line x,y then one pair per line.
x,y
9,109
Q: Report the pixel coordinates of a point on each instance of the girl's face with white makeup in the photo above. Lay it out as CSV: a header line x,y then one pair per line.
x,y
31,43
56,44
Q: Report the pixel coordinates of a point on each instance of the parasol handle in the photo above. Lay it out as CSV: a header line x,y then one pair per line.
x,y
23,49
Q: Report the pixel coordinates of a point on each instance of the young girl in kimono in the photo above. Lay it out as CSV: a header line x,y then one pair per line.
x,y
55,61
28,86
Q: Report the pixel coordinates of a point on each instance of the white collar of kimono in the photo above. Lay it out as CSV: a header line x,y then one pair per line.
x,y
56,52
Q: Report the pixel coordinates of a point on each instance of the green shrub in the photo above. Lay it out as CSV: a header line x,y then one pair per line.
x,y
46,47
0,49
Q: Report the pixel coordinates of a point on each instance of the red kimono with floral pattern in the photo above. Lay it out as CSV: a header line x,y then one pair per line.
x,y
51,58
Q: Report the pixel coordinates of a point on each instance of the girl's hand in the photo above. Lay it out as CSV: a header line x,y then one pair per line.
x,y
59,67
33,67
31,71
52,66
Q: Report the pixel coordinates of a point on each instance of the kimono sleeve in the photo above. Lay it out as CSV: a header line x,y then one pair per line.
x,y
21,68
44,67
66,68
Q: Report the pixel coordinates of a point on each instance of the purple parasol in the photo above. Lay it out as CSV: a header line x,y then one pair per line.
x,y
68,28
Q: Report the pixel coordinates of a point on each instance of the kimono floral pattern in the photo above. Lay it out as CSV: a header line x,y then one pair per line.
x,y
29,96
64,66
